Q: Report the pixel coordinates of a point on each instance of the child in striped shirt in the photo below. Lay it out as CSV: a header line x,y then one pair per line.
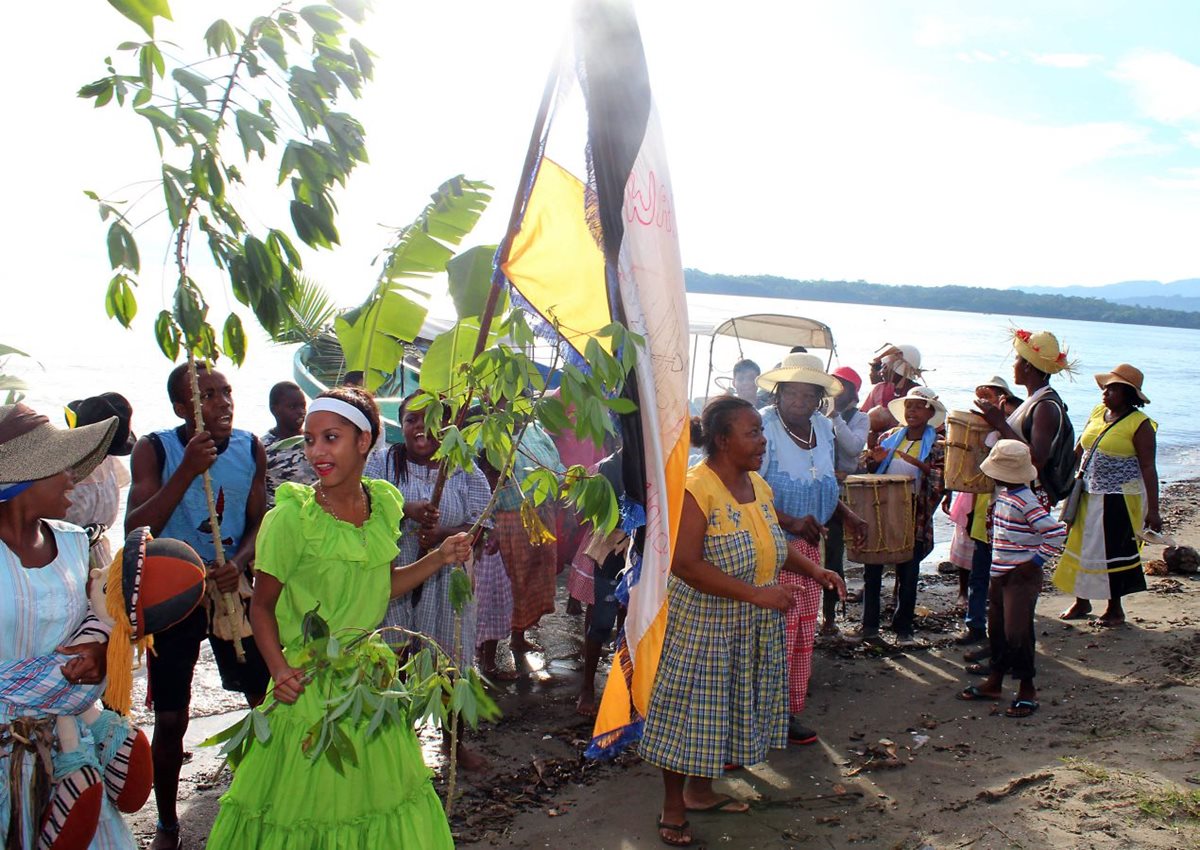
x,y
1024,537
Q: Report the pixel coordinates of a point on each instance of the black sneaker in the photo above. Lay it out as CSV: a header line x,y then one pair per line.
x,y
798,734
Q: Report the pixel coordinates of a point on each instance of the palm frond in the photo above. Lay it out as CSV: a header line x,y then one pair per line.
x,y
309,313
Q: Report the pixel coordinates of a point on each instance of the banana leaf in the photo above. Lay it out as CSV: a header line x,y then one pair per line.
x,y
373,335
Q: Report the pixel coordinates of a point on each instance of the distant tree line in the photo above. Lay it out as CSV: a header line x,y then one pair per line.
x,y
968,299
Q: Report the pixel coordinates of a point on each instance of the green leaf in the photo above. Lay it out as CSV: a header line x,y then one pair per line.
x,y
322,19
166,333
251,128
460,590
271,42
196,85
313,626
119,302
355,10
620,405
150,61
233,339
363,57
378,330
220,38
262,728
190,311
122,248
199,121
143,12
443,368
470,279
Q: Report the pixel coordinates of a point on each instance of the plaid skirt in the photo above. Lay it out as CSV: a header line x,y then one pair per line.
x,y
719,693
531,569
493,599
581,583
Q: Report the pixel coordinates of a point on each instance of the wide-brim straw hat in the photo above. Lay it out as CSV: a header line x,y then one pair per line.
x,y
800,369
997,383
1042,350
1010,462
902,360
896,405
1123,373
31,448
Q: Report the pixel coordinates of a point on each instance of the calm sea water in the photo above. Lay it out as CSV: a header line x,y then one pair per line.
x,y
959,350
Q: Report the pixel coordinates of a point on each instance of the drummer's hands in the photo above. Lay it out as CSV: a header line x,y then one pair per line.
x,y
830,580
775,597
915,461
856,525
994,415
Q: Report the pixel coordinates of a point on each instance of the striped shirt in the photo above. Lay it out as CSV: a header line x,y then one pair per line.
x,y
1023,530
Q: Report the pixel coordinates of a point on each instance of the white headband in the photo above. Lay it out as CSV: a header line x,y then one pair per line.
x,y
342,409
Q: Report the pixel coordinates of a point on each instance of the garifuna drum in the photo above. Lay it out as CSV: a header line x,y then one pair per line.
x,y
885,502
966,448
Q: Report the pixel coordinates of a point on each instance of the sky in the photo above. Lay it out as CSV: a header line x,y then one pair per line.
x,y
1054,142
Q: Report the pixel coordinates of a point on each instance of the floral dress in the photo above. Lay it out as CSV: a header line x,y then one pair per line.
x,y
718,696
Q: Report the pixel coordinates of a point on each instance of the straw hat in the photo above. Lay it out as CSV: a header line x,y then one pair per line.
x,y
1010,463
849,376
997,383
1123,374
800,369
902,360
1041,349
896,405
32,448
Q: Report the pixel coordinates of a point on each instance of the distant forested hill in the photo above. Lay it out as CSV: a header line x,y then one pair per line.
x,y
968,299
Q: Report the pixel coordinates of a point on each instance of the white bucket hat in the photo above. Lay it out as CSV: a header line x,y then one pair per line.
x,y
896,405
902,360
1009,462
800,369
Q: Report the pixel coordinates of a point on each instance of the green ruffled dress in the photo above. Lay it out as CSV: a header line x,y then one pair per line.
x,y
279,800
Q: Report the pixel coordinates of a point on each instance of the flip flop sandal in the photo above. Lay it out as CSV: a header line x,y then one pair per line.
x,y
681,832
978,669
1021,708
721,806
972,694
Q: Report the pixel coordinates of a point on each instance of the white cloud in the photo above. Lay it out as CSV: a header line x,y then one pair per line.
x,y
1180,178
1067,60
933,31
1165,87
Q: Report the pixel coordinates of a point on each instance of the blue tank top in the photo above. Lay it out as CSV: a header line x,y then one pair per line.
x,y
232,475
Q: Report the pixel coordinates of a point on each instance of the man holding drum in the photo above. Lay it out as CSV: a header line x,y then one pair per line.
x,y
915,451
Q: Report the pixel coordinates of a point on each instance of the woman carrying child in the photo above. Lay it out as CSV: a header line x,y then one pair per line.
x,y
332,545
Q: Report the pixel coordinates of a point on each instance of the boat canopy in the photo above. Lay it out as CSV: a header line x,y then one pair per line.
x,y
771,328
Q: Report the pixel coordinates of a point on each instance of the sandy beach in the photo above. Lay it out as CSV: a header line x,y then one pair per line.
x,y
1111,760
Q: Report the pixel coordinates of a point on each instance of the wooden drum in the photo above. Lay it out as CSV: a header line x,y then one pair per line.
x,y
885,502
965,450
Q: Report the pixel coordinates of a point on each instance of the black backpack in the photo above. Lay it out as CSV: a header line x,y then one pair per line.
x,y
1058,475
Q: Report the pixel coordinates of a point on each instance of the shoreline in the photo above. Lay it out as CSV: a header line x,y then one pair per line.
x,y
1111,754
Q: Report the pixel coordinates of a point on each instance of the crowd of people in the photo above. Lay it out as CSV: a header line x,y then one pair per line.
x,y
321,510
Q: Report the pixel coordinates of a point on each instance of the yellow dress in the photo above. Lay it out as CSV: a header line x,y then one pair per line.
x,y
1103,555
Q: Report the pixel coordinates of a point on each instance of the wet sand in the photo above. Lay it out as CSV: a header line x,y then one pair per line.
x,y
1111,759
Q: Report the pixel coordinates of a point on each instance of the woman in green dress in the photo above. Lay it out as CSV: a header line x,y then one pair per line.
x,y
331,545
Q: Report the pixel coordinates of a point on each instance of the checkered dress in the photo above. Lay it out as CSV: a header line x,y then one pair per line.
x,y
464,498
719,693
